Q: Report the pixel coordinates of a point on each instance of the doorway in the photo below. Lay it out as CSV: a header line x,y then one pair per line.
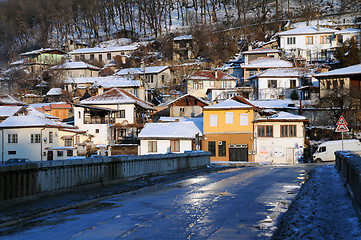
x,y
238,152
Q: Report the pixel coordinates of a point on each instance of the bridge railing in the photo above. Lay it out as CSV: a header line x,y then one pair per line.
x,y
42,178
348,163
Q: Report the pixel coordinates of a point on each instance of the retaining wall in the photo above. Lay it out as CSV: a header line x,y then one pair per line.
x,y
348,164
20,180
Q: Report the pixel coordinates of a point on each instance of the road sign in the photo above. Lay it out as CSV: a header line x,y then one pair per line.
x,y
341,125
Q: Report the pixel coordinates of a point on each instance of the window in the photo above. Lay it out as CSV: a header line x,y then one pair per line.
x,y
77,139
82,57
121,114
152,146
11,152
123,132
325,39
100,58
309,40
51,139
35,138
79,113
198,85
12,138
265,131
291,40
342,83
69,153
288,131
272,83
243,119
60,153
174,146
68,142
321,149
328,85
221,148
212,148
229,117
91,57
213,120
109,56
97,130
293,83
181,111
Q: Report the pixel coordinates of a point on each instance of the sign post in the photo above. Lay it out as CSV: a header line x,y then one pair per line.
x,y
342,127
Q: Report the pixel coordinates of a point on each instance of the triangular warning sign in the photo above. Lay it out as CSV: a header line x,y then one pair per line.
x,y
341,121
342,128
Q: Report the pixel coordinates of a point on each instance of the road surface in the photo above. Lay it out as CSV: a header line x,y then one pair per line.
x,y
237,203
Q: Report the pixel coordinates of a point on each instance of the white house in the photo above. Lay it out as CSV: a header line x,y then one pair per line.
x,y
314,43
111,116
75,70
279,138
254,54
176,137
278,83
30,136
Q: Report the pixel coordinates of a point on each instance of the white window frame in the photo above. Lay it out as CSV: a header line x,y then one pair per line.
x,y
229,117
213,120
243,119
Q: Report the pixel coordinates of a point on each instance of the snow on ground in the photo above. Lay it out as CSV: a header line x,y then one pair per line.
x,y
321,210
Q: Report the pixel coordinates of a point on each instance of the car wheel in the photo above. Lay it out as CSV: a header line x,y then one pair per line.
x,y
318,160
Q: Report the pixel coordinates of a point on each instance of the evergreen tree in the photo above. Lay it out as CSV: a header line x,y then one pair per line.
x,y
348,53
294,95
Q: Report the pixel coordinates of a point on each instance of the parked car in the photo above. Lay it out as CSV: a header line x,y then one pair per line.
x,y
17,160
326,151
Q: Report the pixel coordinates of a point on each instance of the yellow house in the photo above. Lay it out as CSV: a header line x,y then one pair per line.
x,y
228,131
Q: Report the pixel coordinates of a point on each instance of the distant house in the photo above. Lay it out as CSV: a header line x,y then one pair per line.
x,y
314,43
112,116
342,79
279,137
279,83
155,77
97,85
254,54
29,136
59,110
176,137
8,111
76,70
103,55
7,100
228,131
57,95
259,65
38,60
199,82
183,48
70,45
187,106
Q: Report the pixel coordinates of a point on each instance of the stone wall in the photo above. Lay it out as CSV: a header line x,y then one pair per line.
x,y
21,180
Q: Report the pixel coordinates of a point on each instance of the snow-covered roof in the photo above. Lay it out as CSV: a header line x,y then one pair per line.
x,y
19,62
228,104
261,50
187,95
349,31
185,129
42,50
54,92
352,70
135,71
283,72
75,65
6,111
115,96
30,121
107,49
183,37
282,116
106,82
268,62
273,103
307,30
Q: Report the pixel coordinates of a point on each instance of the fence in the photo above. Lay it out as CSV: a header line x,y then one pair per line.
x,y
21,180
348,163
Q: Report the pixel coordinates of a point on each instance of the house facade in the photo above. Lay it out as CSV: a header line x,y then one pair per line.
x,y
199,82
228,131
175,137
183,48
254,54
112,116
102,55
187,106
279,138
75,70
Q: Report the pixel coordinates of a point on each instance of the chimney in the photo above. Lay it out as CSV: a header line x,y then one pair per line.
x,y
215,74
249,47
100,90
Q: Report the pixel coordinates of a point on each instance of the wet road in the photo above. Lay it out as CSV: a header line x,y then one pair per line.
x,y
242,203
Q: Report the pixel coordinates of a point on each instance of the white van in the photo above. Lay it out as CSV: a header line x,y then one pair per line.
x,y
326,151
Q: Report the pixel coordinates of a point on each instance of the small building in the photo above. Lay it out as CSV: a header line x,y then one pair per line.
x,y
59,110
183,48
228,131
187,106
75,70
259,65
279,137
199,82
70,45
254,54
175,137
